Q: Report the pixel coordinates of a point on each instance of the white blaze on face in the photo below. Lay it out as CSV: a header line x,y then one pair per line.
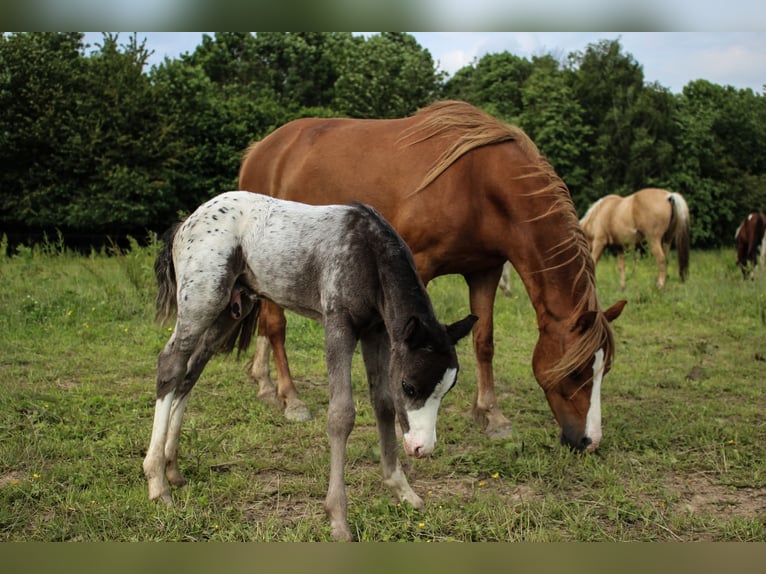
x,y
593,420
421,438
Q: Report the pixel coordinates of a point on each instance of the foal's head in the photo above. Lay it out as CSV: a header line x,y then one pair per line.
x,y
422,371
570,361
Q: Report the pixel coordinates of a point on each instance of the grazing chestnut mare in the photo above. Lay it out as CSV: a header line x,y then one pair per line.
x,y
657,215
751,238
466,192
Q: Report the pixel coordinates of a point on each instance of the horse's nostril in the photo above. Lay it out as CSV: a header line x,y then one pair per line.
x,y
585,441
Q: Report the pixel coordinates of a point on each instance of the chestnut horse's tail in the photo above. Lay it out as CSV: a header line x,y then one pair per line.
x,y
679,231
164,271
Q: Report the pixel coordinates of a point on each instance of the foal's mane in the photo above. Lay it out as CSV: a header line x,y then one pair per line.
x,y
468,127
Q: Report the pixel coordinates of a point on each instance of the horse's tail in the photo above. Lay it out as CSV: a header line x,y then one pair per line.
x,y
679,231
164,271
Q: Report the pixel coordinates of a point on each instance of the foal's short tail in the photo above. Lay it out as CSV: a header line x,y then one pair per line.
x,y
679,231
164,271
166,304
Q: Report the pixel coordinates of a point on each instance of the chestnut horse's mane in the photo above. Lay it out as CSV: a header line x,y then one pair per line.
x,y
469,128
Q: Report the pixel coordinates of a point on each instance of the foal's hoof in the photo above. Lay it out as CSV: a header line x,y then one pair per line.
x,y
296,410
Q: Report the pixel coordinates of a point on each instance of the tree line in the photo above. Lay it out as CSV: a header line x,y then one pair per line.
x,y
94,142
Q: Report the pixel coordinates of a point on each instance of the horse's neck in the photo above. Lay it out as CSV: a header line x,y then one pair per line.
x,y
555,268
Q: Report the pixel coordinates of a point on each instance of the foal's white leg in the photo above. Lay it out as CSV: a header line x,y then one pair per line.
x,y
172,471
154,462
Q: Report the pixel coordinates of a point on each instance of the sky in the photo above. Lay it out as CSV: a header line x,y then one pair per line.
x,y
672,59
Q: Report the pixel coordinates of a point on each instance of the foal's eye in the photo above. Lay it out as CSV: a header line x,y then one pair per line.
x,y
408,388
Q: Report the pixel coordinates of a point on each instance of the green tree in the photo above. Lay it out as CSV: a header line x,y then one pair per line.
x,y
387,75
494,83
41,75
552,117
607,84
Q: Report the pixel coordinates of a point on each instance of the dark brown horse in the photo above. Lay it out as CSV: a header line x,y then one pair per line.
x,y
466,192
656,215
751,238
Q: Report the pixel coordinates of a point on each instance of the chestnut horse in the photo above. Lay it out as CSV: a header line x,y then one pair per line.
x,y
466,192
657,215
751,238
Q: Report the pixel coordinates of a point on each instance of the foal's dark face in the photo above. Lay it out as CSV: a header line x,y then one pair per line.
x,y
423,370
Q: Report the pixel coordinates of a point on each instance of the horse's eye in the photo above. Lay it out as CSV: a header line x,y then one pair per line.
x,y
408,388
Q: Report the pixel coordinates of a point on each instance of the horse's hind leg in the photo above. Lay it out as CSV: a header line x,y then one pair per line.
x,y
660,256
272,324
210,342
171,370
375,351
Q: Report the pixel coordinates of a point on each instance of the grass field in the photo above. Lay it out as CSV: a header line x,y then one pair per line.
x,y
683,456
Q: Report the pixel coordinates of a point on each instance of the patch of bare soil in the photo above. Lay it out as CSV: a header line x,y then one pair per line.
x,y
699,494
12,477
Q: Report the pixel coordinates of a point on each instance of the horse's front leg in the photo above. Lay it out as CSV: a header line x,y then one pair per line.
x,y
375,351
339,349
482,287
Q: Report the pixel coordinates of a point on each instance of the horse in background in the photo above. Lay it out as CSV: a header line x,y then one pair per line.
x,y
341,265
467,193
656,215
751,240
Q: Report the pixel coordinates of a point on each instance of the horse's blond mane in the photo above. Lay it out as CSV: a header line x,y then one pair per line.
x,y
468,127
572,249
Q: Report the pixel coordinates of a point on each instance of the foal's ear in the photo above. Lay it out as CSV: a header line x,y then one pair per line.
x,y
461,328
415,333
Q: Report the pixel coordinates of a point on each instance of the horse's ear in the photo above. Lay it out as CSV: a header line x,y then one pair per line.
x,y
585,321
614,311
461,328
415,333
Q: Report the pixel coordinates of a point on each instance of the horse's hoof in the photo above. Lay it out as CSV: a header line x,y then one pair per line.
x,y
495,425
342,533
269,396
296,410
499,432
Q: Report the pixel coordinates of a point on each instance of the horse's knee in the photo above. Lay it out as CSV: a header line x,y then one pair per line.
x,y
484,344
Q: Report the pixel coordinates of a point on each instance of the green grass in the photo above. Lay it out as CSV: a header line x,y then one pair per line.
x,y
682,458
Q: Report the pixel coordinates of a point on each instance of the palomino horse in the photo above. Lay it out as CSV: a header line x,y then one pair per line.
x,y
751,238
657,215
466,192
342,265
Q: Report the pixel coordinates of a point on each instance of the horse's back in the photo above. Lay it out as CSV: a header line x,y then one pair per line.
x,y
336,160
